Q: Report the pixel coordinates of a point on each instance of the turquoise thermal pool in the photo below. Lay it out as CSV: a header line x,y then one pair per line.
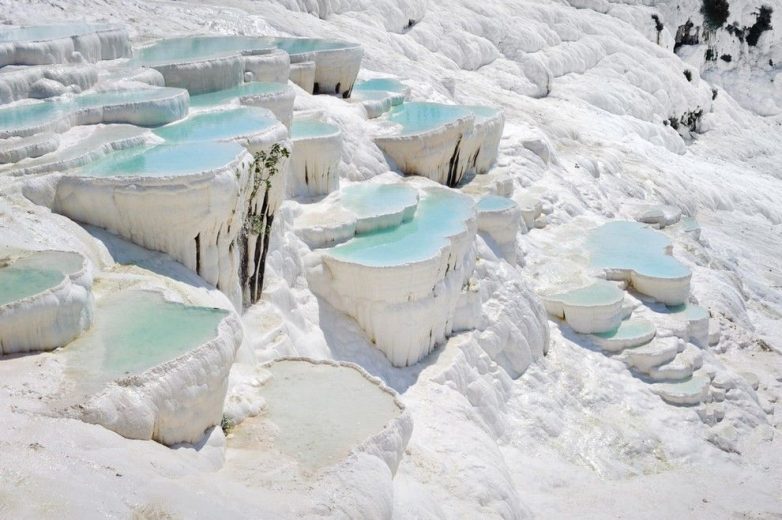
x,y
483,112
688,311
31,114
221,97
305,128
295,46
368,200
418,117
599,293
624,245
629,330
380,85
36,273
218,125
135,331
305,403
495,203
50,32
440,214
177,50
165,160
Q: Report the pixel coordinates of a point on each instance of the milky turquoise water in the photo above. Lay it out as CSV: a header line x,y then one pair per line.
x,y
137,330
440,214
310,128
366,200
629,329
380,84
175,50
495,203
164,160
221,97
690,224
16,284
33,114
36,273
49,32
633,246
304,45
218,125
599,293
688,311
416,117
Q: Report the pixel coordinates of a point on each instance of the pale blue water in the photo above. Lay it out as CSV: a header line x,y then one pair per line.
x,y
192,48
599,293
35,273
377,199
495,203
380,84
688,311
120,97
222,124
440,214
309,128
164,160
632,245
49,32
416,117
137,330
303,45
221,97
16,284
32,114
629,329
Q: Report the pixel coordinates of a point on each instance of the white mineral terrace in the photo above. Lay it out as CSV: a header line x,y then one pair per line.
x,y
141,107
632,252
187,200
62,43
305,420
315,157
45,81
402,284
441,142
211,63
45,300
593,309
152,369
336,63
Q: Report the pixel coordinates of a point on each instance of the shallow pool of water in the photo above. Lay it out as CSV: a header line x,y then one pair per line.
x,y
629,329
495,203
49,32
218,125
309,128
31,114
633,246
440,214
191,48
304,45
416,117
18,283
368,199
380,84
137,330
599,293
164,160
220,97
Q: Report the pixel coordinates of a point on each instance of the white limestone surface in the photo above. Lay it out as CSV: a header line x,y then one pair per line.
x,y
45,300
25,82
315,157
63,43
500,218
